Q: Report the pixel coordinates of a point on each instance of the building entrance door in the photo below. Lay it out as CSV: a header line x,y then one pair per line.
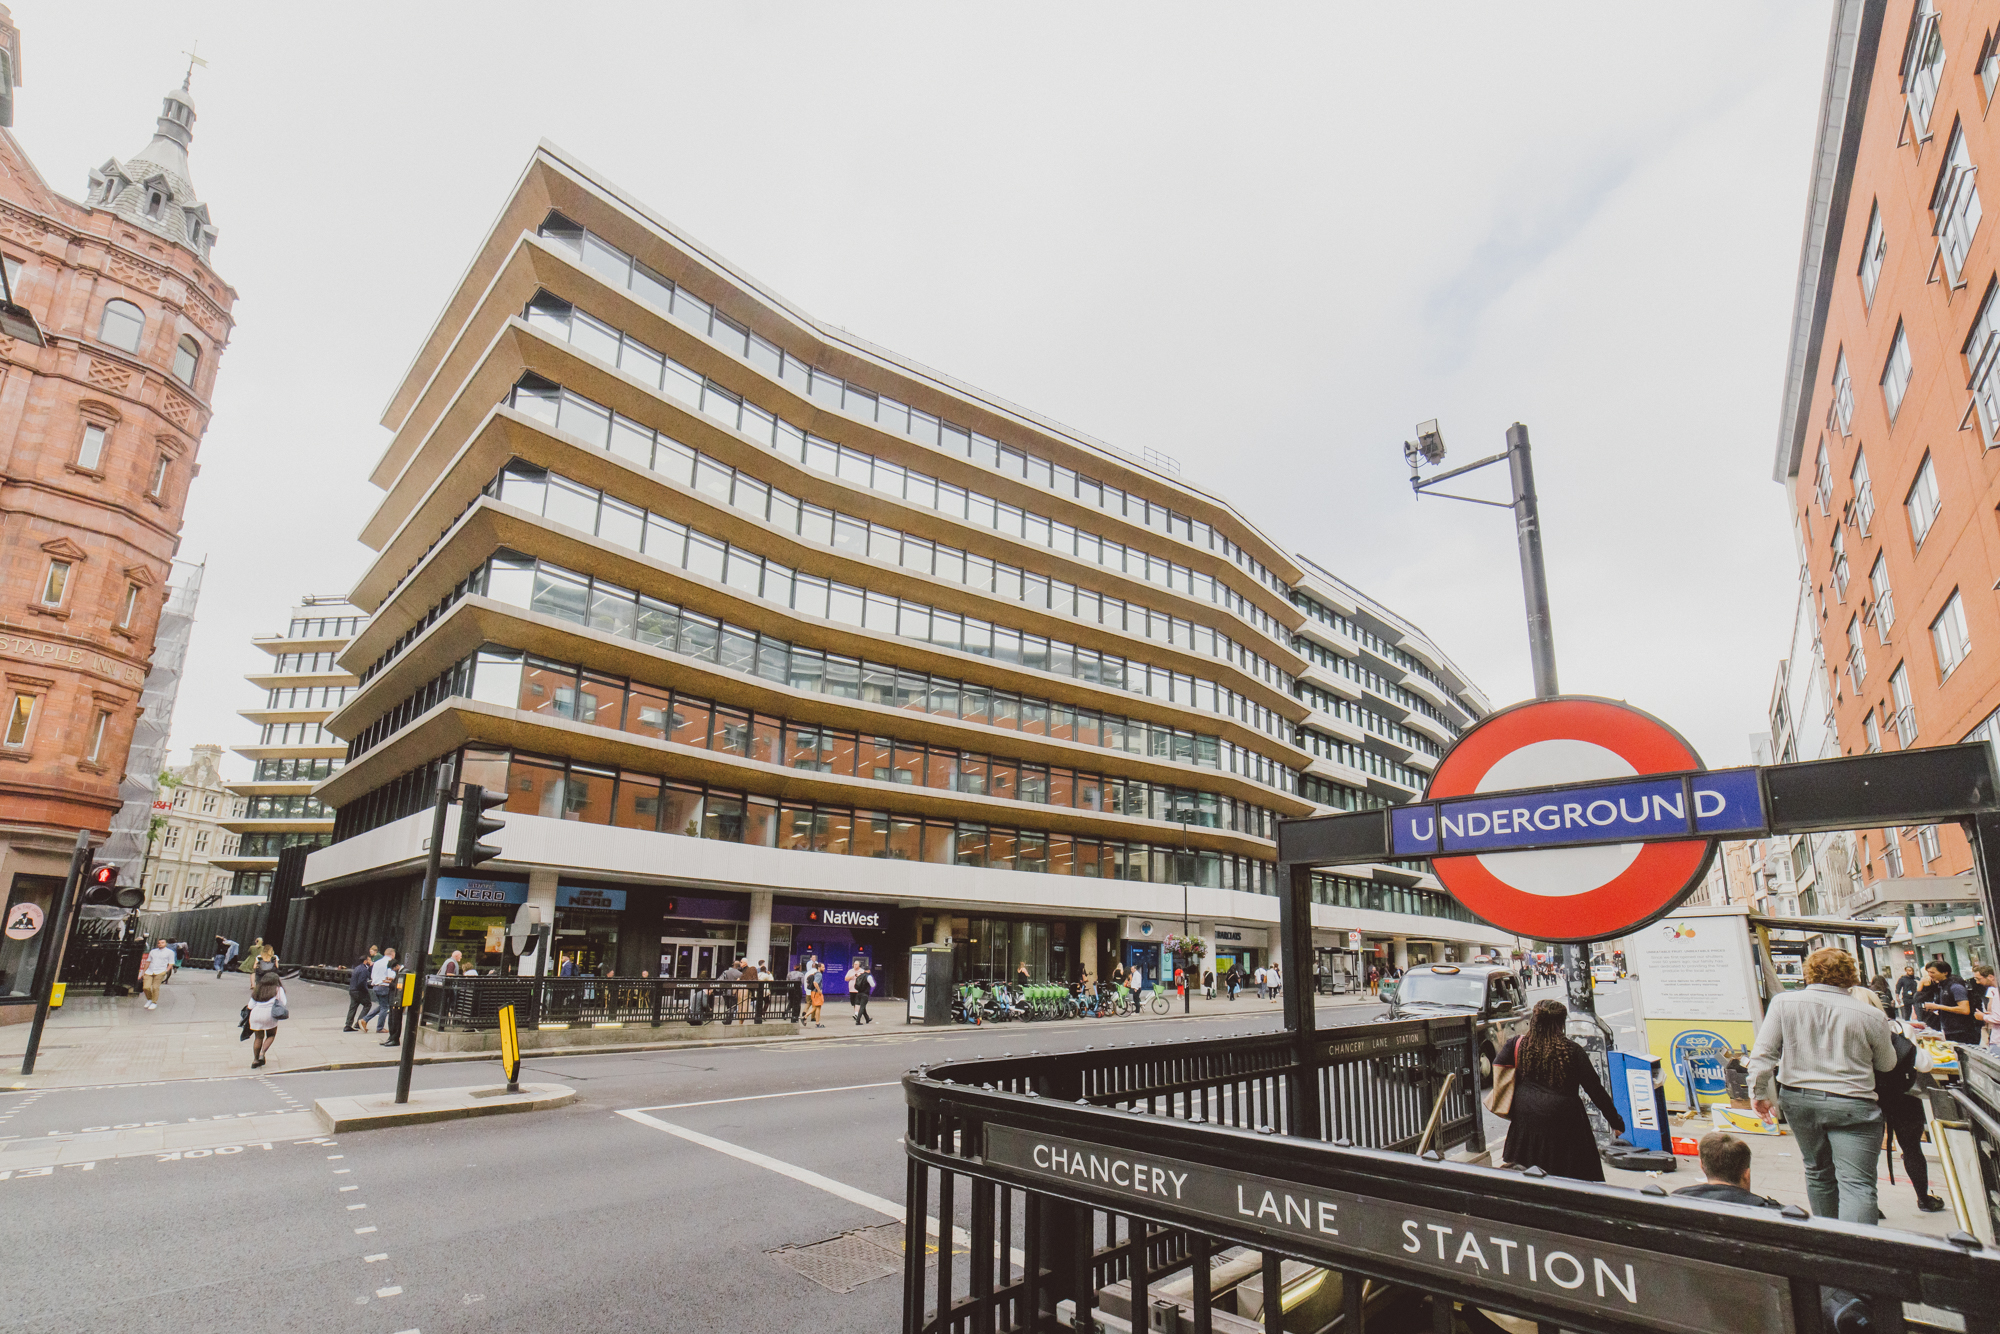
x,y
694,958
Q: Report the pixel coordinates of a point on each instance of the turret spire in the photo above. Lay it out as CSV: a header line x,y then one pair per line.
x,y
155,189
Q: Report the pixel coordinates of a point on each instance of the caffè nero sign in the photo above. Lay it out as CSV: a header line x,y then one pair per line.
x,y
1634,1286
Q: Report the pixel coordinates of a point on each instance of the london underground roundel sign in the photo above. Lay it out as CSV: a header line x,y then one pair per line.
x,y
1573,819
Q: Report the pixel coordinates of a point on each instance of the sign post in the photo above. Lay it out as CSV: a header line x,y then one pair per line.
x,y
52,951
510,1049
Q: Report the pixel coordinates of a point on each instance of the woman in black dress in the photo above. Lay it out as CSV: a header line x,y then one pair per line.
x,y
1547,1124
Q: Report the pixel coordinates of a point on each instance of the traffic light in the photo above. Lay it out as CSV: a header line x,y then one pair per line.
x,y
101,887
474,824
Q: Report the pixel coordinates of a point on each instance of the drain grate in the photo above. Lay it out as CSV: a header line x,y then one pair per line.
x,y
843,1263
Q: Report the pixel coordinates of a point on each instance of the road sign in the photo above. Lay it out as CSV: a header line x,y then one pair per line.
x,y
1574,819
23,921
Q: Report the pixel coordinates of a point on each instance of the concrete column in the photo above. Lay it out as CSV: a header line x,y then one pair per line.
x,y
1086,949
542,894
759,945
1402,948
941,929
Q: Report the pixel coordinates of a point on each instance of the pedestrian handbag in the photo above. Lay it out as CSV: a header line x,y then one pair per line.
x,y
278,1010
244,1035
1500,1098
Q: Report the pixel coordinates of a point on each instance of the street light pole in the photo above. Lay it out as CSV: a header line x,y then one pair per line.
x,y
1429,448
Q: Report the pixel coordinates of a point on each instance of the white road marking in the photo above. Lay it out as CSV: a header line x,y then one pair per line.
x,y
362,1230
352,1207
371,1259
388,1292
846,1192
759,1097
344,1189
342,1171
888,1208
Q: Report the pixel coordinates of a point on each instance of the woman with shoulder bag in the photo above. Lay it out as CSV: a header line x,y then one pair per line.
x,y
267,1008
1543,1072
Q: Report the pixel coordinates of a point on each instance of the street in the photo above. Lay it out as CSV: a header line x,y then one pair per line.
x,y
527,1222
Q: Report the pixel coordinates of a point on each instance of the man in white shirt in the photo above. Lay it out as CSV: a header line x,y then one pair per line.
x,y
159,962
1824,1048
381,985
1263,976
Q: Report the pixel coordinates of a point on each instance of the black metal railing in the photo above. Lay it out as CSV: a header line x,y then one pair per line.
x,y
473,1003
1038,1204
1974,1103
1378,1084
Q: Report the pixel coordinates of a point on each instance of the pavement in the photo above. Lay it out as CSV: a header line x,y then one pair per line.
x,y
194,1034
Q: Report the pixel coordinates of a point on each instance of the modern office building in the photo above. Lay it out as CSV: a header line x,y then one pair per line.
x,y
192,837
301,687
1893,378
777,640
107,363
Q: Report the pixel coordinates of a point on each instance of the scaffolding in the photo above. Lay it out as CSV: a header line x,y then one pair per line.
x,y
131,828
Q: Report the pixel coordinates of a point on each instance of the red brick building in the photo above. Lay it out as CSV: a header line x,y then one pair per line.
x,y
99,428
1892,409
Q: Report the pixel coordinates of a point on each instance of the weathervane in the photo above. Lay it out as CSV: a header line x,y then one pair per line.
x,y
193,60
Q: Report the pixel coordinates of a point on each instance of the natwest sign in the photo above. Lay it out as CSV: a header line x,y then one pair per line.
x,y
865,918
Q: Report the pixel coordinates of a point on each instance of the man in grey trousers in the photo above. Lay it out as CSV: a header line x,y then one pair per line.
x,y
1824,1047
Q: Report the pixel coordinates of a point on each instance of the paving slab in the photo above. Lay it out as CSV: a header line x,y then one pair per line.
x,y
377,1110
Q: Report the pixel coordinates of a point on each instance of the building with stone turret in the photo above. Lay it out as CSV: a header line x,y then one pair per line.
x,y
103,404
192,836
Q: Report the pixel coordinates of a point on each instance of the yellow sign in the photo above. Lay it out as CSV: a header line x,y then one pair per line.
x,y
1697,1049
56,995
409,989
510,1044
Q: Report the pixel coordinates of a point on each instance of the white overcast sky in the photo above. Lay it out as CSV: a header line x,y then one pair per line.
x,y
1263,239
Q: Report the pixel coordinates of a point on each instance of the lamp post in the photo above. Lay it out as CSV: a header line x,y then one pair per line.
x,y
1428,450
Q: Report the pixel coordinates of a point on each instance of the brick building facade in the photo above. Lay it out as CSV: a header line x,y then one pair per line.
x,y
1891,410
99,428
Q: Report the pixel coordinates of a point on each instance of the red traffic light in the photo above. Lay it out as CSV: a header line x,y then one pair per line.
x,y
103,875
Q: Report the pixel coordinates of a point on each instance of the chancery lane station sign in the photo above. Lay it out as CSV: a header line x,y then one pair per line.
x,y
1635,1286
1581,819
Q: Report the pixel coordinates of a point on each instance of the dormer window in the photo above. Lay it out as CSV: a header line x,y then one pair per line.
x,y
155,201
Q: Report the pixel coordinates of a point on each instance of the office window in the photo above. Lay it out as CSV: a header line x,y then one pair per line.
x,y
158,489
1896,373
1927,843
1874,248
1873,730
1840,572
1892,852
1823,482
1955,206
1843,394
1884,610
1863,512
1982,365
187,357
90,453
173,836
1923,67
55,583
121,324
208,803
1923,501
1948,635
201,840
97,731
131,608
1857,653
1906,712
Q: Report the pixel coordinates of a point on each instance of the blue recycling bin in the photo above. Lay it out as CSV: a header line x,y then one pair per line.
x,y
1641,1097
